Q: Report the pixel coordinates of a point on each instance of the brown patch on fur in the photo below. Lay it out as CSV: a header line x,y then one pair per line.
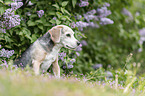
x,y
55,33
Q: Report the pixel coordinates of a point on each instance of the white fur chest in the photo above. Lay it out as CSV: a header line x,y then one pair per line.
x,y
50,58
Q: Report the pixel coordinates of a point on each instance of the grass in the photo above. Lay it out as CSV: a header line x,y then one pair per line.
x,y
18,82
22,83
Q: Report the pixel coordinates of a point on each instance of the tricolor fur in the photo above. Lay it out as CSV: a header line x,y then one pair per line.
x,y
44,51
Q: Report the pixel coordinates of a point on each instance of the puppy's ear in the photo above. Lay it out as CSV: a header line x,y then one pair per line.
x,y
55,33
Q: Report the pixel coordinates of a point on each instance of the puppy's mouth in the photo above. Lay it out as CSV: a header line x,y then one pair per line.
x,y
69,47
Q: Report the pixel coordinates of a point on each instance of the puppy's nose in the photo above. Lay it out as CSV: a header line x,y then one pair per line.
x,y
78,43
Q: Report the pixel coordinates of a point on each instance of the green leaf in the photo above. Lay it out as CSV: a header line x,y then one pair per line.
x,y
8,46
26,32
56,5
79,33
64,3
34,38
52,21
66,11
74,3
58,14
7,38
28,36
38,21
51,13
67,18
31,23
33,16
63,18
40,27
47,24
36,29
2,10
62,10
58,22
1,1
8,2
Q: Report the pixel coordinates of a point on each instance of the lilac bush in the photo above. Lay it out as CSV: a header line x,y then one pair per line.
x,y
105,21
6,53
83,3
16,5
10,19
103,12
99,15
81,25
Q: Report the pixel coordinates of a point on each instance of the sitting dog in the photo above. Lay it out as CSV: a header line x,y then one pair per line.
x,y
44,51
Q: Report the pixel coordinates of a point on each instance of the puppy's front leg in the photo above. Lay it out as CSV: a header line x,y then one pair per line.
x,y
56,68
36,66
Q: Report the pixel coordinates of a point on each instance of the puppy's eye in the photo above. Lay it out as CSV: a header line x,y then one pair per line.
x,y
68,35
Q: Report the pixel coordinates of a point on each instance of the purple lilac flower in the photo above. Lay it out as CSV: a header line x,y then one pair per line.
x,y
62,55
91,12
6,53
64,67
142,32
126,12
5,64
84,43
92,24
0,46
103,12
79,17
105,21
140,50
90,17
10,20
40,13
142,38
70,66
77,53
16,0
109,74
97,66
16,5
30,3
106,4
81,25
71,72
2,30
137,14
79,48
54,18
28,13
121,87
72,25
72,61
83,3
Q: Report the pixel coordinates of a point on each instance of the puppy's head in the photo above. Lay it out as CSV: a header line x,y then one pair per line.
x,y
64,35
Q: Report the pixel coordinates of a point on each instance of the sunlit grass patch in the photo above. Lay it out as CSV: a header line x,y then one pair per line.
x,y
24,83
